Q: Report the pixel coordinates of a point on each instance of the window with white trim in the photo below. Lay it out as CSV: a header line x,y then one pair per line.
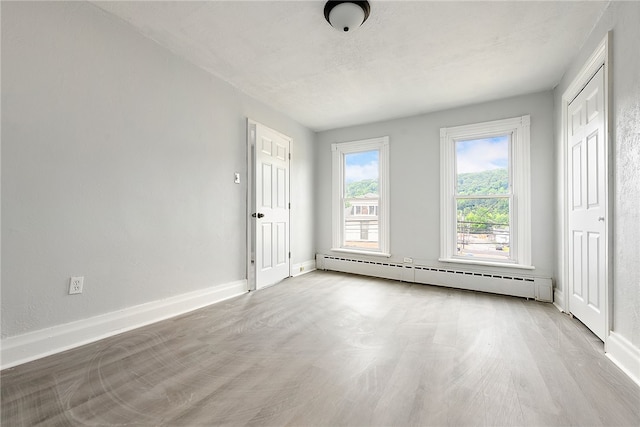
x,y
485,194
361,196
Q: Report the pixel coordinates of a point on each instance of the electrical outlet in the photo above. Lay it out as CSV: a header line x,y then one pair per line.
x,y
236,178
408,260
75,285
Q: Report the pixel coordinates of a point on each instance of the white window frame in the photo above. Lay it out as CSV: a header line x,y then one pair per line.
x,y
518,129
338,152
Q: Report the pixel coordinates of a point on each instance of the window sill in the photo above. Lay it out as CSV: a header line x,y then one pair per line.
x,y
355,251
488,263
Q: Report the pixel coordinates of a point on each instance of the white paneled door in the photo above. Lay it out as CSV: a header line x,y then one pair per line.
x,y
271,214
587,207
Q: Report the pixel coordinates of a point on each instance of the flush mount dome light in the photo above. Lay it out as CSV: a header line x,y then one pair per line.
x,y
346,15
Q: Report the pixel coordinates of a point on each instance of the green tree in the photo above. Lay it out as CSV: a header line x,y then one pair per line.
x,y
494,181
361,188
483,213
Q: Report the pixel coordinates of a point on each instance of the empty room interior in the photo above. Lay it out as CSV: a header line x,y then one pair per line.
x,y
320,213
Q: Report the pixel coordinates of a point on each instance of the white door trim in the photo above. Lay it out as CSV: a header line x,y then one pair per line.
x,y
599,58
251,141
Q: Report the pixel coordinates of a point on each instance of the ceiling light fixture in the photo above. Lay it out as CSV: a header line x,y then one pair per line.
x,y
346,15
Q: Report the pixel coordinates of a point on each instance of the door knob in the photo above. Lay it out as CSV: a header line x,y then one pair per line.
x,y
259,215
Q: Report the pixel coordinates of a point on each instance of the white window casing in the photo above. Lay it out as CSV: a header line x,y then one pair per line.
x,y
339,150
518,129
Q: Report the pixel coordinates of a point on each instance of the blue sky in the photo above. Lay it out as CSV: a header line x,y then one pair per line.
x,y
477,155
361,166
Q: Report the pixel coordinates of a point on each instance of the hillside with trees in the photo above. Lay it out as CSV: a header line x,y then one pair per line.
x,y
361,188
494,181
484,213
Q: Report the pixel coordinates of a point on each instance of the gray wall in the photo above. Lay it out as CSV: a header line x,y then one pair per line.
x,y
117,165
414,145
623,18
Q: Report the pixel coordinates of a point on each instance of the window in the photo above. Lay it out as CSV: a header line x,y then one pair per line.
x,y
361,196
485,195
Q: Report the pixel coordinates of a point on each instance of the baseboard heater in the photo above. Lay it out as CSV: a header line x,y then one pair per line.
x,y
538,288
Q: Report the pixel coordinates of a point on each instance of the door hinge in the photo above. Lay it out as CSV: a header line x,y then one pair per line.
x,y
289,156
289,255
289,205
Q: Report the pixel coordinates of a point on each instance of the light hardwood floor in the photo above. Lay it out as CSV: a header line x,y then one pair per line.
x,y
334,349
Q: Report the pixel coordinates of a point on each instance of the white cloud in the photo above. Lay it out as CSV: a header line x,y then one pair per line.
x,y
481,155
355,173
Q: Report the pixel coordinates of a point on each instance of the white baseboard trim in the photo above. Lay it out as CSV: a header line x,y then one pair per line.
x,y
35,345
625,355
558,299
303,267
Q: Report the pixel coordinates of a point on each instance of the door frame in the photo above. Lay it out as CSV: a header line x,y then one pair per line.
x,y
250,196
601,57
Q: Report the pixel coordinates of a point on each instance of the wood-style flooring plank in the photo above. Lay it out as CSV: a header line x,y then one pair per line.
x,y
331,349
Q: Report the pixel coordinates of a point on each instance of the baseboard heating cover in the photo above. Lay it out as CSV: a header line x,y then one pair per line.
x,y
538,288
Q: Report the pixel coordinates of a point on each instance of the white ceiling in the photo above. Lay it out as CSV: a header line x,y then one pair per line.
x,y
409,57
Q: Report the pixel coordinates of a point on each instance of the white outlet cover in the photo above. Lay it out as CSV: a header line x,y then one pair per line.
x,y
76,285
236,178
